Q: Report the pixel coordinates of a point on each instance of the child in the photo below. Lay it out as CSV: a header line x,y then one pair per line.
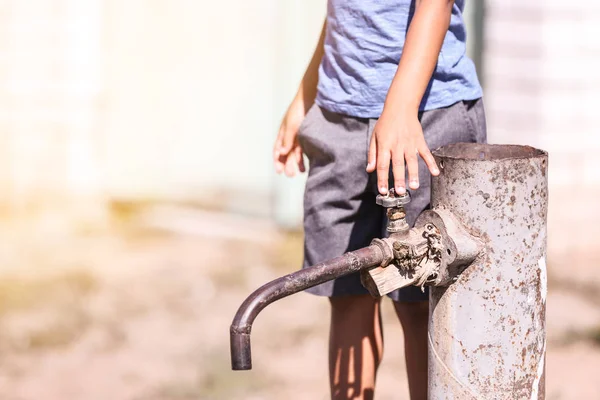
x,y
388,81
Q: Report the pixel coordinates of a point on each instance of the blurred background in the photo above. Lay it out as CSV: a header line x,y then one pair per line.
x,y
139,206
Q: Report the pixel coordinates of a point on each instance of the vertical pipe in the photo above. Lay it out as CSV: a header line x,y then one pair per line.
x,y
487,335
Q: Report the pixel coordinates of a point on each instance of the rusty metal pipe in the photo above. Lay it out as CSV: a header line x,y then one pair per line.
x,y
241,357
487,328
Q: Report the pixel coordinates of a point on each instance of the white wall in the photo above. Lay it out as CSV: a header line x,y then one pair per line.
x,y
50,84
147,100
190,97
194,95
541,63
541,78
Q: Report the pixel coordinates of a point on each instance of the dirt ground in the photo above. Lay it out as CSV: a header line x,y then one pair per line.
x,y
141,311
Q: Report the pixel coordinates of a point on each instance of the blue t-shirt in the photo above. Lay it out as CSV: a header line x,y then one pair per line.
x,y
363,45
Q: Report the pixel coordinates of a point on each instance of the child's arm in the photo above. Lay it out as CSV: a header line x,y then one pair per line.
x,y
398,135
287,154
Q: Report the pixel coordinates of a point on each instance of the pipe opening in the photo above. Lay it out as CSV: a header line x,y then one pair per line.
x,y
479,151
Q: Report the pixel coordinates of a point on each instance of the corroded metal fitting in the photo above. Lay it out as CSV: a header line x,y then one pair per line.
x,y
434,252
391,199
401,250
396,213
395,210
388,254
397,225
410,259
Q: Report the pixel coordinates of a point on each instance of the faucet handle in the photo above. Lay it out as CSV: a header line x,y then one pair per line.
x,y
391,199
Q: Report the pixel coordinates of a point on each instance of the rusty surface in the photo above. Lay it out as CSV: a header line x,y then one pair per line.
x,y
458,248
241,327
394,205
411,257
487,335
434,252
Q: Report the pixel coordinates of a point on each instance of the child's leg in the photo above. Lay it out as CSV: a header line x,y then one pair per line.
x,y
340,215
355,346
414,317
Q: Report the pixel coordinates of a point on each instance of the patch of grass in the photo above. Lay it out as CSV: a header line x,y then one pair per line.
x,y
173,391
115,334
58,334
217,383
50,307
594,335
591,335
289,252
229,278
126,210
589,291
18,293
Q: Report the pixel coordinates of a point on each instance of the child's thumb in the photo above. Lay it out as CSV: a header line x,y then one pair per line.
x,y
288,141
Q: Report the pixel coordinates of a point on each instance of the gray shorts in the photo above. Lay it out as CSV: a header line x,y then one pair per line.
x,y
340,213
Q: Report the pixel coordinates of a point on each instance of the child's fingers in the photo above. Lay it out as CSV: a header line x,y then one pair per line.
x,y
398,171
280,164
299,158
428,158
278,161
372,158
291,165
383,168
277,145
287,142
412,163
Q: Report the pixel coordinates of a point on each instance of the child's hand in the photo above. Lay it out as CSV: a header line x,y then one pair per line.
x,y
287,153
397,138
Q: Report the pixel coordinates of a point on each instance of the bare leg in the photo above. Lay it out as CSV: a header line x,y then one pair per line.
x,y
355,346
413,317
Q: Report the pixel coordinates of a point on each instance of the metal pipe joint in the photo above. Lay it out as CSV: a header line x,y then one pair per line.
x,y
433,253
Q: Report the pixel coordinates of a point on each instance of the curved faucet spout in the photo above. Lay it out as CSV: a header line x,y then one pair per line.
x,y
241,357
